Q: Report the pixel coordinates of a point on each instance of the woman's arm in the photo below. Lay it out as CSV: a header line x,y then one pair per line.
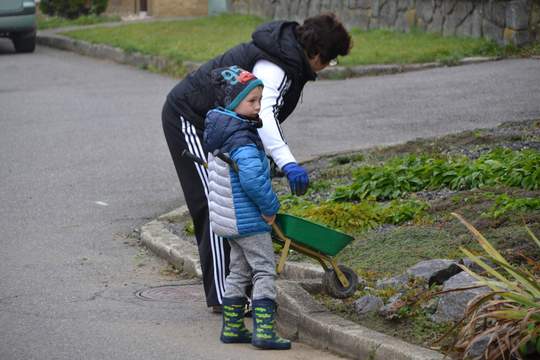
x,y
275,86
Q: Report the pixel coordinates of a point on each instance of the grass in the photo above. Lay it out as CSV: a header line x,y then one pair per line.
x,y
391,47
201,39
392,251
53,22
194,40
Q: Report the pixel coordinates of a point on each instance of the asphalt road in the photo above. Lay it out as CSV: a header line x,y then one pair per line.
x,y
84,162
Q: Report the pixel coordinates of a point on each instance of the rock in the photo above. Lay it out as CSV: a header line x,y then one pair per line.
x,y
474,266
476,28
294,10
492,32
393,282
460,13
357,18
518,38
389,310
314,7
358,4
448,6
404,5
388,14
376,7
430,306
436,23
282,10
424,9
434,271
517,14
302,11
477,349
495,12
367,305
452,305
326,6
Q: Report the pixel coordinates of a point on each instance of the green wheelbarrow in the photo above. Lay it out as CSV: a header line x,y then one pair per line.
x,y
320,243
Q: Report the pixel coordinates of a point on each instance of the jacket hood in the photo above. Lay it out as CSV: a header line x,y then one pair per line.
x,y
278,39
225,130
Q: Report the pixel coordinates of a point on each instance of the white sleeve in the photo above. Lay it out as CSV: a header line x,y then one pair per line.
x,y
275,85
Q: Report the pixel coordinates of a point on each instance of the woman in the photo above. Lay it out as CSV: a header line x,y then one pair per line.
x,y
284,55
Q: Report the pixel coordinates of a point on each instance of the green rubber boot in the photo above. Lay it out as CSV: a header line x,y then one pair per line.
x,y
264,334
234,330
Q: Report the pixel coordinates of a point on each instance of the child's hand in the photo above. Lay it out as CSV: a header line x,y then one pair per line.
x,y
269,219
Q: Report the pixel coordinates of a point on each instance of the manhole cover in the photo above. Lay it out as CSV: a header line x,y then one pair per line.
x,y
172,293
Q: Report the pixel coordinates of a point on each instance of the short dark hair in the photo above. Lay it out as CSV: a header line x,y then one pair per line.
x,y
325,35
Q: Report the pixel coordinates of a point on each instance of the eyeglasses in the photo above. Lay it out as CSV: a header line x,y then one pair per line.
x,y
333,62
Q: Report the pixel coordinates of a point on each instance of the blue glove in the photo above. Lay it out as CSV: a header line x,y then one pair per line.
x,y
298,178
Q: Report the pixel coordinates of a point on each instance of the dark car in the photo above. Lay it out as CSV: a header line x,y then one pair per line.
x,y
18,22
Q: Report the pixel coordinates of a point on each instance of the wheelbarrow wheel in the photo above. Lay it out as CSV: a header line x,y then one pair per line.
x,y
333,286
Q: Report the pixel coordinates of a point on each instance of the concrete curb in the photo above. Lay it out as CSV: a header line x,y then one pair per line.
x,y
101,51
299,317
302,318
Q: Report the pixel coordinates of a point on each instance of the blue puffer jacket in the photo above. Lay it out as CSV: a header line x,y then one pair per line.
x,y
237,200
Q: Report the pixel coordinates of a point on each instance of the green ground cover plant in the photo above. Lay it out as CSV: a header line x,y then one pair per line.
x,y
201,39
505,204
355,217
409,174
53,22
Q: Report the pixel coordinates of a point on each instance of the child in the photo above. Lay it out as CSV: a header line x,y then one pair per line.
x,y
242,206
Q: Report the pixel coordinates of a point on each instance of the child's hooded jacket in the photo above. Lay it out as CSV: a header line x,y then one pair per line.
x,y
237,200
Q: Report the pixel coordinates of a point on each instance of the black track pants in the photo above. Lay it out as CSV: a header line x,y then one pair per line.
x,y
213,250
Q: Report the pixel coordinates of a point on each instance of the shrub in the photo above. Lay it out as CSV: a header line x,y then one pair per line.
x,y
72,9
509,315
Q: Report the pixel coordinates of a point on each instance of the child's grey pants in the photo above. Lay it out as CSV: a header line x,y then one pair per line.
x,y
252,261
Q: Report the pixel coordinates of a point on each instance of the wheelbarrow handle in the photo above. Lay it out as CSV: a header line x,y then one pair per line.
x,y
229,161
185,153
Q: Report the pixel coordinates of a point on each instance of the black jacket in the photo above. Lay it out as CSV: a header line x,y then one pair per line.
x,y
276,42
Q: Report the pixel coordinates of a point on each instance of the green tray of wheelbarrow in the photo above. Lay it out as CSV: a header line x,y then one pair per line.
x,y
315,236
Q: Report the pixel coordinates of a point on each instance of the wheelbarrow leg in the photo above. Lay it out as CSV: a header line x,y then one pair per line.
x,y
283,256
284,250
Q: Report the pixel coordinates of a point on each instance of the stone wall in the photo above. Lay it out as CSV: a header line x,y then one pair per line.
x,y
505,21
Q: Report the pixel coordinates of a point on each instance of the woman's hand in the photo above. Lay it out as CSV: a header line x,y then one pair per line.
x,y
298,178
269,219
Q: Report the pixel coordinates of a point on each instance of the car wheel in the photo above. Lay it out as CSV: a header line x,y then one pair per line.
x,y
25,42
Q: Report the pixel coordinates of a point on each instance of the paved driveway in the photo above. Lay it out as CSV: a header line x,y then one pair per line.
x,y
364,112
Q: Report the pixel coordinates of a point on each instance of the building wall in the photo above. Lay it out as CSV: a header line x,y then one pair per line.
x,y
165,8
160,8
505,21
122,7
